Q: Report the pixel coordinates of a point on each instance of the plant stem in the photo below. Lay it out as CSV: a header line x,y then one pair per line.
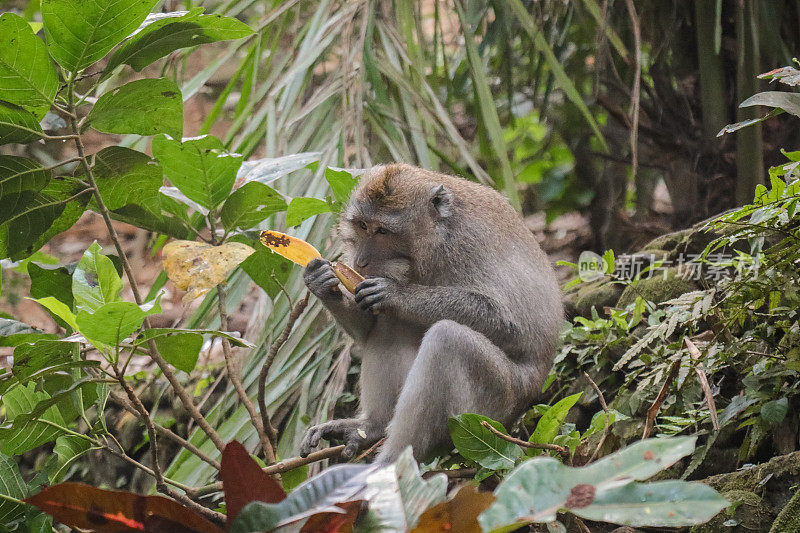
x,y
186,400
525,444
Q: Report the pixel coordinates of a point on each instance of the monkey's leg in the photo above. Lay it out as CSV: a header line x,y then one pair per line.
x,y
457,370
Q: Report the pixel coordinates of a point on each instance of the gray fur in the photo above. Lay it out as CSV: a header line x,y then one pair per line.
x,y
459,312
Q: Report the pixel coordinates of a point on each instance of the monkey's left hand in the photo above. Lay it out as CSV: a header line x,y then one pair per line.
x,y
377,294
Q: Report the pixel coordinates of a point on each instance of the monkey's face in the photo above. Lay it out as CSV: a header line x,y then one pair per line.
x,y
378,246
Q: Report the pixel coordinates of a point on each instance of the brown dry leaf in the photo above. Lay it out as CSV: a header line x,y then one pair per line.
x,y
292,248
459,514
196,267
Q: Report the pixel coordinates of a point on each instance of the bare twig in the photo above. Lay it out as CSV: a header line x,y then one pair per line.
x,y
701,373
524,443
271,432
167,433
460,473
652,411
608,417
185,398
369,450
267,444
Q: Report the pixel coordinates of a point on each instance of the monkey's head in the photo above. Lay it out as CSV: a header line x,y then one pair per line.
x,y
393,219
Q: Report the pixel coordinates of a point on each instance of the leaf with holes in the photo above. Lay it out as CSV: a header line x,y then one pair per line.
x,y
79,33
144,107
173,33
27,76
201,167
197,267
95,281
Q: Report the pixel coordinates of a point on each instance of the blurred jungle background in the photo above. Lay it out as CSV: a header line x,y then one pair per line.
x,y
598,119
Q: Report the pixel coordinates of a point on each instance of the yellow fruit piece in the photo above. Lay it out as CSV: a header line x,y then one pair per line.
x,y
347,276
198,267
292,248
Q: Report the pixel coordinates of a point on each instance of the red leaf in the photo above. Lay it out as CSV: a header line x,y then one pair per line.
x,y
243,481
334,522
111,511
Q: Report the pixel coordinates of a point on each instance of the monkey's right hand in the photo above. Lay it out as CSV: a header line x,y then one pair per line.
x,y
321,280
354,433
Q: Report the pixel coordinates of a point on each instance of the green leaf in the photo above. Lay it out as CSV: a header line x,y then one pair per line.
x,y
27,433
68,448
773,412
14,333
12,485
95,281
249,205
180,350
79,33
661,504
113,322
18,174
342,184
155,333
201,167
125,176
789,102
267,269
303,208
144,107
549,425
478,444
59,309
69,215
27,76
172,33
18,125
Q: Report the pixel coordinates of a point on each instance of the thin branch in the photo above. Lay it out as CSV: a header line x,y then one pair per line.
x,y
460,473
184,397
369,450
652,411
701,373
267,444
637,86
608,417
270,430
525,444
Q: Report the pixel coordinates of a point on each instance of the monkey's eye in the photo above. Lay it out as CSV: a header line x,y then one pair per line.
x,y
382,231
362,225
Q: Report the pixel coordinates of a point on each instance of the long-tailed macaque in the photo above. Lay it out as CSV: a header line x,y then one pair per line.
x,y
459,313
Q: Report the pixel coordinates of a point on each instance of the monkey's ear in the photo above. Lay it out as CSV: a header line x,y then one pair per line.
x,y
441,201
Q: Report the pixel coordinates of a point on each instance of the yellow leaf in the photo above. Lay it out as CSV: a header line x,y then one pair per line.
x,y
197,267
292,248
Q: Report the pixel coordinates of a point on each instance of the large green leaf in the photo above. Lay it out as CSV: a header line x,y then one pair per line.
x,y
172,33
201,167
12,485
51,281
537,489
18,125
249,205
79,33
95,281
267,269
18,174
27,76
143,107
73,209
27,433
181,350
478,444
125,176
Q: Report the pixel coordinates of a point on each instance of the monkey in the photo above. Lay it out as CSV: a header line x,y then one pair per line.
x,y
459,311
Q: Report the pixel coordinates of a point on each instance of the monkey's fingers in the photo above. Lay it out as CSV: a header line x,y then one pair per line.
x,y
369,302
352,445
310,441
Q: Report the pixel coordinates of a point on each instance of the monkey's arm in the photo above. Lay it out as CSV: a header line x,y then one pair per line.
x,y
321,280
426,305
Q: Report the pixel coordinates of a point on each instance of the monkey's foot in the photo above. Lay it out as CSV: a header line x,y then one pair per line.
x,y
355,434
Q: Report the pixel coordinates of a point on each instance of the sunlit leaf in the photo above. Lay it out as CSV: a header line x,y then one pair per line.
x,y
197,267
95,281
249,205
292,248
549,425
478,444
302,208
113,322
145,107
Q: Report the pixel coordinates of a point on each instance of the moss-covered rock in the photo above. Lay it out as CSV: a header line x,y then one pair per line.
x,y
664,285
598,294
751,513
